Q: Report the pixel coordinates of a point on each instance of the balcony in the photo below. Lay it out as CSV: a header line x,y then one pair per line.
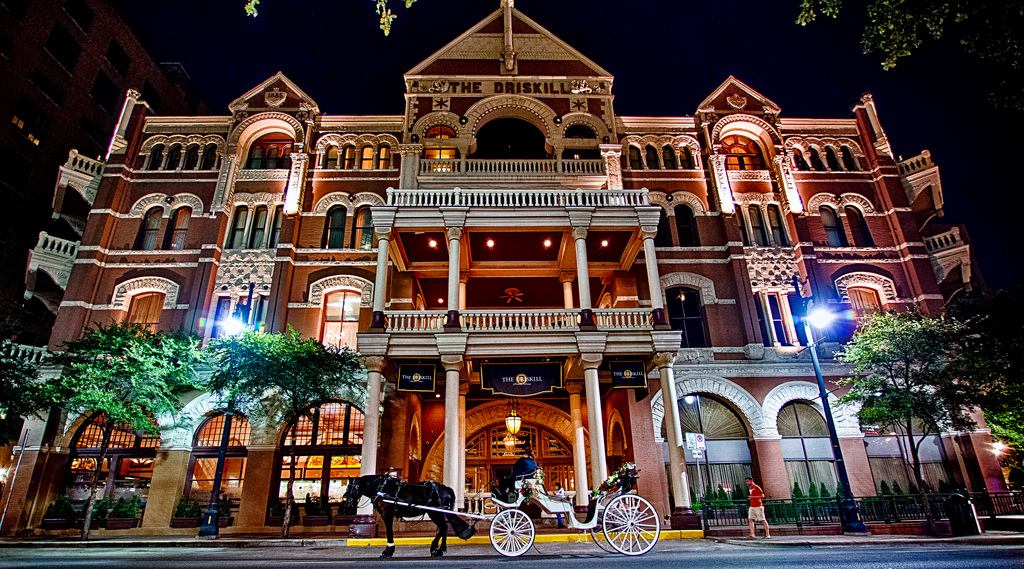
x,y
473,167
82,174
543,320
31,354
517,198
54,256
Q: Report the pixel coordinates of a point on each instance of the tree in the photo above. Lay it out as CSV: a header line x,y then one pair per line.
x,y
123,374
992,30
20,391
906,376
290,376
386,16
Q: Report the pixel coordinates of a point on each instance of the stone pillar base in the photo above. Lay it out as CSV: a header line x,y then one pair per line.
x,y
685,518
363,526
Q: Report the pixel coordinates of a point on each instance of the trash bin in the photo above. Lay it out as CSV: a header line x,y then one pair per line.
x,y
963,520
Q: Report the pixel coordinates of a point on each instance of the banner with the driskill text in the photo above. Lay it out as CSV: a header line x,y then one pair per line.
x,y
419,378
630,374
521,379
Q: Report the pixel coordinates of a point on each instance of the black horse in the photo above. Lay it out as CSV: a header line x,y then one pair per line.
x,y
426,493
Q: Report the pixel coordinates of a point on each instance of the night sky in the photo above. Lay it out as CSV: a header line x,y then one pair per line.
x,y
666,56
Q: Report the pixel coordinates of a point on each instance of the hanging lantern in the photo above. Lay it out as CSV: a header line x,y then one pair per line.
x,y
513,421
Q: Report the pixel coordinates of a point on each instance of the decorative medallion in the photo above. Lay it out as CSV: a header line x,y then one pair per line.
x,y
512,294
275,98
736,101
580,86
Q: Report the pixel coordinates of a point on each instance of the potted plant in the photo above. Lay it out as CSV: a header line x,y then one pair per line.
x,y
186,513
317,512
124,514
59,515
276,517
99,514
224,518
345,514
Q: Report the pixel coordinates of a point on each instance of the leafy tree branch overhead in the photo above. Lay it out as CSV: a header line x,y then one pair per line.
x,y
386,16
992,30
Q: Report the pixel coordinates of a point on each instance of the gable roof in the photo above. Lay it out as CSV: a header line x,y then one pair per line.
x,y
733,88
280,82
478,51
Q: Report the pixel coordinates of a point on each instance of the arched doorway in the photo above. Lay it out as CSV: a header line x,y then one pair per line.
x,y
489,458
509,138
726,461
127,467
806,449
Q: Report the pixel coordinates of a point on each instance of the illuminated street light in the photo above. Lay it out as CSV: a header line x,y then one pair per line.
x,y
820,317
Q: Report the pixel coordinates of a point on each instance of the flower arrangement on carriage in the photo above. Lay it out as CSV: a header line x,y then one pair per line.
x,y
622,481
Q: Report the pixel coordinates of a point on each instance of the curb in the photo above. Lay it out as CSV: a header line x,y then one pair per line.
x,y
540,538
996,540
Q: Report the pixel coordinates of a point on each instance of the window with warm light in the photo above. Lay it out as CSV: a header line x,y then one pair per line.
x,y
363,238
145,309
384,157
126,468
341,319
348,158
331,161
440,153
149,230
864,301
366,158
742,153
270,152
326,443
203,466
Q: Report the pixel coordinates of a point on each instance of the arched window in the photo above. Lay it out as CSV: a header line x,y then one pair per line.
x,y
848,160
275,232
743,226
236,235
798,160
438,153
440,131
833,228
177,227
327,447
191,158
634,159
664,236
348,158
156,157
126,469
203,465
341,319
742,153
668,157
384,157
652,157
259,228
173,157
858,228
726,461
579,131
779,235
816,162
334,228
331,162
363,238
145,309
209,157
687,162
366,158
686,227
686,313
806,449
864,300
757,226
831,160
269,152
149,230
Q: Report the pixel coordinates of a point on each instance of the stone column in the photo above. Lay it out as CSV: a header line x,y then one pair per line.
x,y
673,431
595,418
463,279
454,237
460,488
583,281
381,280
566,278
260,466
452,367
653,278
612,154
364,525
165,487
410,165
579,442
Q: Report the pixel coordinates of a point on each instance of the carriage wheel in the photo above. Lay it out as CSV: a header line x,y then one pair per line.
x,y
512,532
600,540
631,525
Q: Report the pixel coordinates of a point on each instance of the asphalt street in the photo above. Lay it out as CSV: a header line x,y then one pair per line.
x,y
697,554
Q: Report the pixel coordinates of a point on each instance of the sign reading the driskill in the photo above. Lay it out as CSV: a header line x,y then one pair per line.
x,y
628,374
416,377
521,379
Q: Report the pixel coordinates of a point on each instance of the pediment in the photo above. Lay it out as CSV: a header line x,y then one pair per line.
x,y
278,93
734,95
479,51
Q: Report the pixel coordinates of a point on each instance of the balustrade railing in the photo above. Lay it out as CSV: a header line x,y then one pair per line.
x,y
517,198
944,240
83,164
534,320
545,167
32,354
49,244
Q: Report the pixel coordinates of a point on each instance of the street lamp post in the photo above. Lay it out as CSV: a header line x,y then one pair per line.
x,y
849,511
209,527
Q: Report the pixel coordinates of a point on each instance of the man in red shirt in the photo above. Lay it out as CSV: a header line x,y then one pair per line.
x,y
756,511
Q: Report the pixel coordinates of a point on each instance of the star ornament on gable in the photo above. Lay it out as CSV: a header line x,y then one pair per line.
x,y
512,294
579,105
441,103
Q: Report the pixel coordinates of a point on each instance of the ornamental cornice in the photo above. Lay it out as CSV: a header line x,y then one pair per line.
x,y
260,198
319,288
716,133
168,203
838,202
689,199
884,286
